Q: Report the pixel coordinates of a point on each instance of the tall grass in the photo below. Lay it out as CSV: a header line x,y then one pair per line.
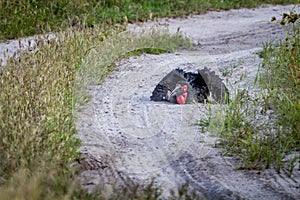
x,y
36,121
20,18
263,128
281,78
38,146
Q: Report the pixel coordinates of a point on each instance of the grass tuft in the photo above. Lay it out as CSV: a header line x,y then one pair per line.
x,y
263,128
38,146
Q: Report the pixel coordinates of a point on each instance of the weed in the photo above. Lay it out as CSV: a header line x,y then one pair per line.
x,y
228,71
249,130
282,80
38,146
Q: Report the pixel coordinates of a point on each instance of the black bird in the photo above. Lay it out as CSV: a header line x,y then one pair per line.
x,y
183,87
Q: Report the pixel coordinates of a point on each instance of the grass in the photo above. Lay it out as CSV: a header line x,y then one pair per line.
x,y
39,89
96,64
21,18
263,129
282,81
38,92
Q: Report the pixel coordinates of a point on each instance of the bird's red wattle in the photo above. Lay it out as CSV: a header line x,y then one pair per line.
x,y
181,99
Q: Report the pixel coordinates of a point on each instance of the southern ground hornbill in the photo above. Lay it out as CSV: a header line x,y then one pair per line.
x,y
183,87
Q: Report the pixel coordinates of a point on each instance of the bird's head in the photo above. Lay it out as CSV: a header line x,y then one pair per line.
x,y
180,89
180,92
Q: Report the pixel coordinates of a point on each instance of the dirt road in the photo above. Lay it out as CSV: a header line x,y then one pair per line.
x,y
125,134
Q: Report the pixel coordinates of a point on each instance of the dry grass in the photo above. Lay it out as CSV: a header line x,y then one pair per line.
x,y
39,89
38,146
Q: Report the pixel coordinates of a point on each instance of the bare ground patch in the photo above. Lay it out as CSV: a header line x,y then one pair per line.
x,y
125,134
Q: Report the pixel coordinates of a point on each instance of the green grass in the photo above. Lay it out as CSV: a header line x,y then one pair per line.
x,y
38,93
263,129
281,78
21,18
39,89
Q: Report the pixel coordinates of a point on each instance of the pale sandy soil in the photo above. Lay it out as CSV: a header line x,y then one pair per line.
x,y
125,135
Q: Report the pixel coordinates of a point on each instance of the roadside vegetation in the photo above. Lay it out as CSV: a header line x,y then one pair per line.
x,y
262,128
40,88
28,17
38,94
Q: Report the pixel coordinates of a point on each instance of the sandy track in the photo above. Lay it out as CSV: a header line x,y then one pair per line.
x,y
124,134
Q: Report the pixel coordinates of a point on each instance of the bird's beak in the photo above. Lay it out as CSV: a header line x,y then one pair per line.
x,y
176,90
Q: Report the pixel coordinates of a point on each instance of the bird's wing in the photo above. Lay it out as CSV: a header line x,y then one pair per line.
x,y
166,85
215,85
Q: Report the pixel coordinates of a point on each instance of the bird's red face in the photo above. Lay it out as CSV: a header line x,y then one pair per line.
x,y
184,88
182,95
